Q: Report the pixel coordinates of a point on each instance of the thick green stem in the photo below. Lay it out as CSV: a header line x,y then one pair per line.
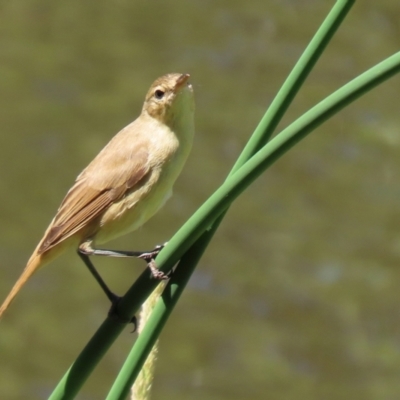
x,y
201,221
231,189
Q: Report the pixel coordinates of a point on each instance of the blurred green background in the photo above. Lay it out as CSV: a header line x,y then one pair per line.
x,y
298,295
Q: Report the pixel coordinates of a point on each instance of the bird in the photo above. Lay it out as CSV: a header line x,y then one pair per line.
x,y
125,184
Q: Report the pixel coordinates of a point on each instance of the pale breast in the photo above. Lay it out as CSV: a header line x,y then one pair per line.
x,y
150,194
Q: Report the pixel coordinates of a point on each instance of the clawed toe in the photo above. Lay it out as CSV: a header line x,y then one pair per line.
x,y
156,273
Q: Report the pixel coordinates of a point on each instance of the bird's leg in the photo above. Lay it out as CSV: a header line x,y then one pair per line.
x,y
148,256
111,295
85,258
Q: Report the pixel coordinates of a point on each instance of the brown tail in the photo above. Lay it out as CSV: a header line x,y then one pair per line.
x,y
33,264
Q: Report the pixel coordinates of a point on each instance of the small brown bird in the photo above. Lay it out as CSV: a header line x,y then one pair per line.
x,y
126,184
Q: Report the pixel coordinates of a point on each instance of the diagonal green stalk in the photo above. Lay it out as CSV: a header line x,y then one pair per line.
x,y
261,135
109,330
214,206
240,180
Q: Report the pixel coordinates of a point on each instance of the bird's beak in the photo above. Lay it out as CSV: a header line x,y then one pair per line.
x,y
181,81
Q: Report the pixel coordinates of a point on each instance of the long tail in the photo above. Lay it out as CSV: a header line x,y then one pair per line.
x,y
33,264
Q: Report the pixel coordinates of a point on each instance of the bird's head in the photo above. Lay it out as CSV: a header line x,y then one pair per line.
x,y
170,98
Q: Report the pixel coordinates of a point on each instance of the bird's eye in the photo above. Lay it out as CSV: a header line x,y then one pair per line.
x,y
159,94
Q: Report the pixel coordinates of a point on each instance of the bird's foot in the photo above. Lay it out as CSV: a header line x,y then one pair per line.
x,y
149,257
113,313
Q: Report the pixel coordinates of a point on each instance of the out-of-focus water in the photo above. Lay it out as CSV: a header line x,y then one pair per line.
x,y
297,297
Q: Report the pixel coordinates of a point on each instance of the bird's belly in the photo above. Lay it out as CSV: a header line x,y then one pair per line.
x,y
132,211
145,199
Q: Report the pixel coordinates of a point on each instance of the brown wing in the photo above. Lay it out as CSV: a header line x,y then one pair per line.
x,y
114,171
